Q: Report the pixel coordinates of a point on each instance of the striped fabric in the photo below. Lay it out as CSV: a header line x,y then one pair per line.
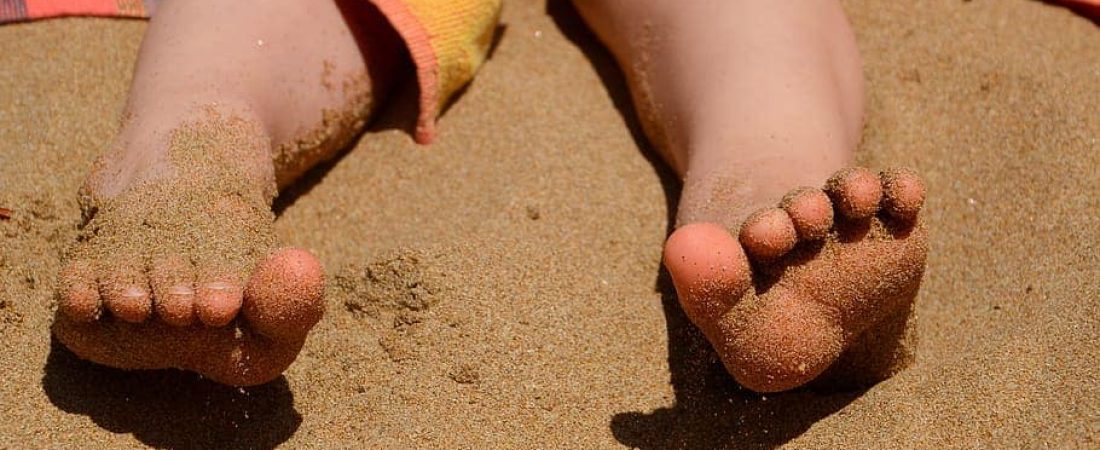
x,y
448,41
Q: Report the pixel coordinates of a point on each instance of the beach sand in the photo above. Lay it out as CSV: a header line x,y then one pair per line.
x,y
502,287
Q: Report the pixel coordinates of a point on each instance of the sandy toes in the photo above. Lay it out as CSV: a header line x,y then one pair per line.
x,y
178,269
806,280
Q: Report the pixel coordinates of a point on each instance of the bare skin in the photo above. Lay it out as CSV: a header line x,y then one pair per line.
x,y
781,256
747,100
1087,8
230,102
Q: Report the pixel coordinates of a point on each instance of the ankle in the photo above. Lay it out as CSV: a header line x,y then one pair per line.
x,y
725,186
165,142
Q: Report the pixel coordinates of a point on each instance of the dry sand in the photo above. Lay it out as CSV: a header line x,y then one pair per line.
x,y
501,288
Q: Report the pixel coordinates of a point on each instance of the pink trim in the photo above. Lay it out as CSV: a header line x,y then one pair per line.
x,y
47,8
423,55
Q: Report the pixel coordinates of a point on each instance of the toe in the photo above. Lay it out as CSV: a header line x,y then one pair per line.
x,y
125,292
903,194
173,280
768,234
708,268
78,293
855,192
285,296
217,300
811,212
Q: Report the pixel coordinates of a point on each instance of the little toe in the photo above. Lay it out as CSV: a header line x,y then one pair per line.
x,y
903,194
811,212
125,292
708,268
173,283
78,293
218,300
768,234
285,296
855,193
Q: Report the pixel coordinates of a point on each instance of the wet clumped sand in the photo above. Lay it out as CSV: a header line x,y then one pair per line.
x,y
395,295
563,332
395,284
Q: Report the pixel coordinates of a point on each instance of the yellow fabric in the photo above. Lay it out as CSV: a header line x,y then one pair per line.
x,y
460,33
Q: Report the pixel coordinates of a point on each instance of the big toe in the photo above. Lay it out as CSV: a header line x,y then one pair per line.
x,y
285,296
708,268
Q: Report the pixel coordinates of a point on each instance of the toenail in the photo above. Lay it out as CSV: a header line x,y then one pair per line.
x,y
218,286
133,292
181,290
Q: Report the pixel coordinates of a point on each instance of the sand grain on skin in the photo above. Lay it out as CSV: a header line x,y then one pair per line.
x,y
992,102
209,206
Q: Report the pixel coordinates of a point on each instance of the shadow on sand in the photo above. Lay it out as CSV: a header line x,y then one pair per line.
x,y
170,408
711,410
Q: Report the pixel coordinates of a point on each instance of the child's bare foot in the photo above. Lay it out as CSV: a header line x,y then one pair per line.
x,y
826,265
176,262
747,100
164,262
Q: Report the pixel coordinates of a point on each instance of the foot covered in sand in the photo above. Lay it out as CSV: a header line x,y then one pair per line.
x,y
174,264
800,283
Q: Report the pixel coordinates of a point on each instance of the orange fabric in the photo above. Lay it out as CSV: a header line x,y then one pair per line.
x,y
448,41
418,40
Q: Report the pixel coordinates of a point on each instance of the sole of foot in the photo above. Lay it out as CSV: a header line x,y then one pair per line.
x,y
784,297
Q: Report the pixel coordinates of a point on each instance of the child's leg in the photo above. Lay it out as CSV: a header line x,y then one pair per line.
x,y
748,100
229,101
